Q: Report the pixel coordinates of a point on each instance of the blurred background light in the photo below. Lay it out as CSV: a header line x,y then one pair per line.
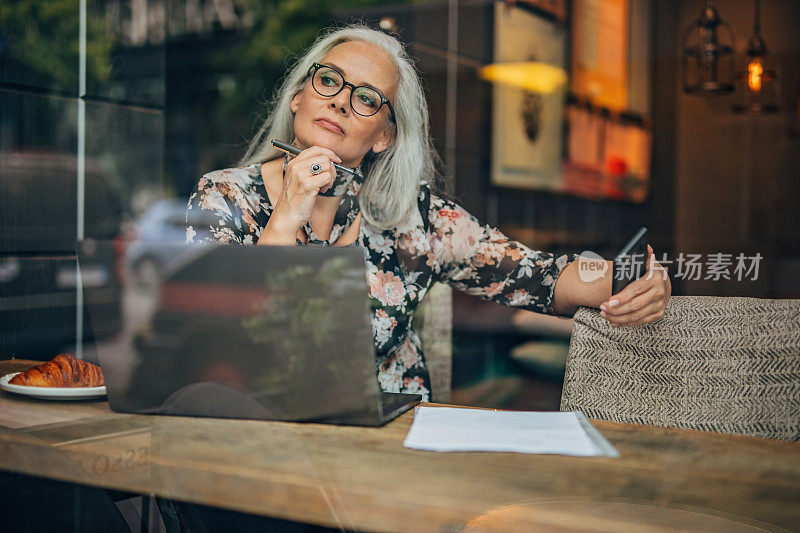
x,y
531,76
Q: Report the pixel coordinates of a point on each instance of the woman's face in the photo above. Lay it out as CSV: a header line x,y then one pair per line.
x,y
330,121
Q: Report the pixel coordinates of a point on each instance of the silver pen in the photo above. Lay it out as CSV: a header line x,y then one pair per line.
x,y
293,150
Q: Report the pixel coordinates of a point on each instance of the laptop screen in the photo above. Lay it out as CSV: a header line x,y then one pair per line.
x,y
244,332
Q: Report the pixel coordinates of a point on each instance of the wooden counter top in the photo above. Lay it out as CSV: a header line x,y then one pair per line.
x,y
364,479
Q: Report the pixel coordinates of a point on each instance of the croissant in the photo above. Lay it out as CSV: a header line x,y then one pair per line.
x,y
64,370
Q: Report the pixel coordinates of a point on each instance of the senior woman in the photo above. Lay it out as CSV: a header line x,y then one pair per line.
x,y
355,99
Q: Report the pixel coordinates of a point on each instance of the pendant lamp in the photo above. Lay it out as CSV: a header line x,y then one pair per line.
x,y
755,82
707,60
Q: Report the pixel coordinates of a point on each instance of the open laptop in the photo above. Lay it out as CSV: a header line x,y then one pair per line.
x,y
260,332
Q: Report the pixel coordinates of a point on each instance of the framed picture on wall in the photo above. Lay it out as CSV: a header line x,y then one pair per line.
x,y
600,60
583,170
627,160
607,157
528,99
557,8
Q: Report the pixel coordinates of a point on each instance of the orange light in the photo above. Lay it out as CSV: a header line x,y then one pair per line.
x,y
754,73
532,76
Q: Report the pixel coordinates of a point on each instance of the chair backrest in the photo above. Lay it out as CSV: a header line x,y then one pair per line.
x,y
433,322
729,365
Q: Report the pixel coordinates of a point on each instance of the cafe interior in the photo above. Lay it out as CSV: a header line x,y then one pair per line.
x,y
192,396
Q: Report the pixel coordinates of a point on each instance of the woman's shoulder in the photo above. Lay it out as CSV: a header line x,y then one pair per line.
x,y
235,177
426,194
231,190
431,202
432,198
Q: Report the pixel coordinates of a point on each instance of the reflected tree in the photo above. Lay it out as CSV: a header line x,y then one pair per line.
x,y
39,43
299,322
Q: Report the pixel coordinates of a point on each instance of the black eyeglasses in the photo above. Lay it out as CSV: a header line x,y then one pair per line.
x,y
364,101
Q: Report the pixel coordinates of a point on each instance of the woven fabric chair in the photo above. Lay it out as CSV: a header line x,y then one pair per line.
x,y
433,322
729,365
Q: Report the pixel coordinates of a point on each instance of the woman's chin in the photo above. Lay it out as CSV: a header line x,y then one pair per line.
x,y
332,142
324,139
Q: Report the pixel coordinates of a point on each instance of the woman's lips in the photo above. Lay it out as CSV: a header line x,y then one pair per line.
x,y
328,125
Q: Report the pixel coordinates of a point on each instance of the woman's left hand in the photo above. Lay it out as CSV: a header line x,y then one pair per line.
x,y
643,300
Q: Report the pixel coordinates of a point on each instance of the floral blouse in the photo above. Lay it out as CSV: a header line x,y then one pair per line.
x,y
441,242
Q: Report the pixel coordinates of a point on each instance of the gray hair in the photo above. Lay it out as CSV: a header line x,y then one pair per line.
x,y
392,177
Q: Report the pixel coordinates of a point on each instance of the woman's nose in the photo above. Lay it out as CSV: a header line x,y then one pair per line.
x,y
342,100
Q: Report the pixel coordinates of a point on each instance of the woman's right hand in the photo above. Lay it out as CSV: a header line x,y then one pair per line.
x,y
298,194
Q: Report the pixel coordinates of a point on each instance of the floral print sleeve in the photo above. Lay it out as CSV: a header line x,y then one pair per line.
x,y
483,262
231,205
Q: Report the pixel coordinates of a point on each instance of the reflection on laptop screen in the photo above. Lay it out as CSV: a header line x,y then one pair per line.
x,y
250,332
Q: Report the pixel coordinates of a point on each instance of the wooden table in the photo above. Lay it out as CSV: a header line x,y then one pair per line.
x,y
364,479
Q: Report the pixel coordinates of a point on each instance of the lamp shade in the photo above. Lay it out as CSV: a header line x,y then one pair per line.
x,y
707,60
756,90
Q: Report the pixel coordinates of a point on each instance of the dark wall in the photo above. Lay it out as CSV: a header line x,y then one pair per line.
x,y
737,178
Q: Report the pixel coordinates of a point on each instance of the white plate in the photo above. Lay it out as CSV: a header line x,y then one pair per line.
x,y
52,393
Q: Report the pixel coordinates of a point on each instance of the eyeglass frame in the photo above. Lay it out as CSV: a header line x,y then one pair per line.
x,y
316,66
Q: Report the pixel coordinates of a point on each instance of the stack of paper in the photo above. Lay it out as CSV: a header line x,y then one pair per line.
x,y
452,429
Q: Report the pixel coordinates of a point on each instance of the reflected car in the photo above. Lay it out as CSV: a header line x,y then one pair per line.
x,y
38,266
159,238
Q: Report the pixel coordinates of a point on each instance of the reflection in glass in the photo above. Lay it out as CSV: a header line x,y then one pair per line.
x,y
244,332
38,173
127,145
132,36
40,45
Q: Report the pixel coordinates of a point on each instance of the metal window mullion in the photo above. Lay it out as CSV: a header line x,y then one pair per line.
x,y
81,168
452,94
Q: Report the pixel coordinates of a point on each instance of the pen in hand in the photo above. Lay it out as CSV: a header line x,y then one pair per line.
x,y
293,150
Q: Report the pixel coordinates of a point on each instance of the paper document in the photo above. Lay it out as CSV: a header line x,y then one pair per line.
x,y
453,429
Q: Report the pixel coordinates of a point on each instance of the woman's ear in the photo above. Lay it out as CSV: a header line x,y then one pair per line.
x,y
385,140
294,104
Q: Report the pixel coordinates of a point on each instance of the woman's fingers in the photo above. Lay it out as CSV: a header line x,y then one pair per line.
x,y
635,317
651,296
655,275
300,171
315,154
299,168
300,186
332,171
642,301
658,315
654,269
652,300
634,289
652,317
641,306
320,182
308,182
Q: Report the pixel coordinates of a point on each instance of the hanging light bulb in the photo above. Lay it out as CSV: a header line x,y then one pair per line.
x,y
755,83
754,72
707,62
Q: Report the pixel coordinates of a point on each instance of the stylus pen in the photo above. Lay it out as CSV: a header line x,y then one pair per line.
x,y
293,150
